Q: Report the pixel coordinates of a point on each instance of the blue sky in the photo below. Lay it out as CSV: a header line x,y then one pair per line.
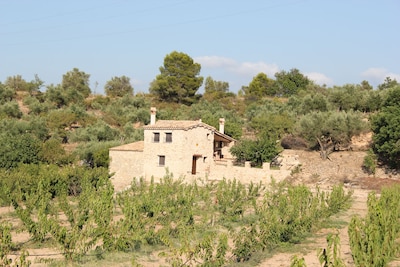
x,y
333,42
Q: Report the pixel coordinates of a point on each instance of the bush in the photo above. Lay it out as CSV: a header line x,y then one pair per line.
x,y
24,148
370,162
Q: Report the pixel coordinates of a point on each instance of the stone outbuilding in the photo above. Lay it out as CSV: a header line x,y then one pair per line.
x,y
184,148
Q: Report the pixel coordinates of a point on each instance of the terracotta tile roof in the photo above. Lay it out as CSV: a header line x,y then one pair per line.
x,y
185,125
137,146
177,125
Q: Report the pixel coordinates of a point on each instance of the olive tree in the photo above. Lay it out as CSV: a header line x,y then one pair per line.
x,y
76,80
329,131
118,87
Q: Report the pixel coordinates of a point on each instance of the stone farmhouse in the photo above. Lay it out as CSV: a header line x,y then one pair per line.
x,y
188,149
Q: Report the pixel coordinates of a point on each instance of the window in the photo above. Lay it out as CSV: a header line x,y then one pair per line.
x,y
156,137
161,160
168,137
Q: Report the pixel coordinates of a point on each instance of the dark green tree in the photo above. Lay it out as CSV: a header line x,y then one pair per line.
x,y
386,128
261,86
118,87
178,80
388,83
24,148
76,81
290,83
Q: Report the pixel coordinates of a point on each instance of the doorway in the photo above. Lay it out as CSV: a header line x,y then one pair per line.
x,y
194,163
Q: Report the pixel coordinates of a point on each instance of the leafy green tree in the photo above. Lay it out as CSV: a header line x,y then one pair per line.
x,y
178,80
388,83
95,154
24,148
366,86
374,239
261,86
118,87
215,89
257,151
35,126
290,83
36,106
273,125
99,132
17,83
6,93
210,113
63,97
52,152
77,80
11,110
329,131
348,97
386,128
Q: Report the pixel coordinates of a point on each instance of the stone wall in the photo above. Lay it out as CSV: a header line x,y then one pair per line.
x,y
125,165
225,169
178,153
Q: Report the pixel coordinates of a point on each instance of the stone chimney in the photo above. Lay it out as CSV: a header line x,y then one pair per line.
x,y
153,112
221,125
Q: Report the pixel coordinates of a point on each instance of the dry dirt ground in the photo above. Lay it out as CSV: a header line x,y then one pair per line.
x,y
343,167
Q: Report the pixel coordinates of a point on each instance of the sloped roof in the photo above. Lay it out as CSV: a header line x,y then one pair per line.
x,y
137,146
186,125
177,125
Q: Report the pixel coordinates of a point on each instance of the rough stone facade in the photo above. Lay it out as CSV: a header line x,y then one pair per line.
x,y
186,149
126,163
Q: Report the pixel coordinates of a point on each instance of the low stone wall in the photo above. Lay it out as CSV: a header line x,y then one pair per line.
x,y
225,169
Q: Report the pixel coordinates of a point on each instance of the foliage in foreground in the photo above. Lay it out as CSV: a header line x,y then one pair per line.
x,y
6,246
374,240
194,224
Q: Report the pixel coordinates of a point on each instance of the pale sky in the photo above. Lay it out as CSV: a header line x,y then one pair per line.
x,y
333,42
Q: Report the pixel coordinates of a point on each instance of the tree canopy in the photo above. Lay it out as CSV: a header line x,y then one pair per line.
x,y
261,86
291,82
76,80
118,87
330,131
178,80
386,127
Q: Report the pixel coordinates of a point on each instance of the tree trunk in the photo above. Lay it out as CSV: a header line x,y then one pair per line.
x,y
325,148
